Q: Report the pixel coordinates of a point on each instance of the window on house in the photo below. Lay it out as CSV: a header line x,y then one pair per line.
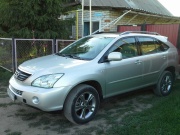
x,y
95,26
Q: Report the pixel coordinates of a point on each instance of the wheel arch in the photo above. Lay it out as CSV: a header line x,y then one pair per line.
x,y
172,70
92,83
97,86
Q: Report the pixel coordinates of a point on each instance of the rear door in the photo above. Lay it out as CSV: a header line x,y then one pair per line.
x,y
154,57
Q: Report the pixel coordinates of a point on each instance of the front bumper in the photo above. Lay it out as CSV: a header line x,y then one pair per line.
x,y
45,99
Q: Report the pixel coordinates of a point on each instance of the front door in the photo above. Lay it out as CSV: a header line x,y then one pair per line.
x,y
124,75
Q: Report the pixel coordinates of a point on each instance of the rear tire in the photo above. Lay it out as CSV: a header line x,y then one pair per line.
x,y
164,85
81,104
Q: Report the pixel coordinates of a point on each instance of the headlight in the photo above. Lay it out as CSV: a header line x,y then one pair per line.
x,y
46,81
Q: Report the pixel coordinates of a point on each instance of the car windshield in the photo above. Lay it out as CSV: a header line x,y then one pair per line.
x,y
86,48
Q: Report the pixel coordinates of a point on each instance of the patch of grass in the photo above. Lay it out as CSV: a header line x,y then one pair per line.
x,y
4,96
42,121
15,133
64,123
112,114
7,131
9,104
5,76
86,131
61,126
3,90
21,110
162,118
29,116
60,130
101,130
46,127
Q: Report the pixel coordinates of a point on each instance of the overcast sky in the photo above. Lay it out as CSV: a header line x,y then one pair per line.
x,y
172,5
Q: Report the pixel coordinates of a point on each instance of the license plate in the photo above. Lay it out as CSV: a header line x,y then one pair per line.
x,y
11,94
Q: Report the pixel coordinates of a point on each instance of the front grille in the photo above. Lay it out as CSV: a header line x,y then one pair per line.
x,y
20,75
16,91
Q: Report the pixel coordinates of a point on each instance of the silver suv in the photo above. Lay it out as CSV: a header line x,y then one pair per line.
x,y
95,67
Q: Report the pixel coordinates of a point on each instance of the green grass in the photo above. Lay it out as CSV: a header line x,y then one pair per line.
x,y
162,119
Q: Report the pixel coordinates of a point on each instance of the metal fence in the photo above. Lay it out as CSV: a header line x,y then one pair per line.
x,y
60,44
26,49
13,52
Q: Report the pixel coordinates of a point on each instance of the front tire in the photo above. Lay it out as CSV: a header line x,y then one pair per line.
x,y
164,85
81,104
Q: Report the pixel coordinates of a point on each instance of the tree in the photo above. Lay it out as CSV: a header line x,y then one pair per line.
x,y
33,18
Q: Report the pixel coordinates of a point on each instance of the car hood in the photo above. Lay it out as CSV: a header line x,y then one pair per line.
x,y
51,63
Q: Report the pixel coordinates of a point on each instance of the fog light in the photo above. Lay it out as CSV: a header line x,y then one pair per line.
x,y
35,100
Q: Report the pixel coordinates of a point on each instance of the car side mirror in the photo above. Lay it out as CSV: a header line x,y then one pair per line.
x,y
115,56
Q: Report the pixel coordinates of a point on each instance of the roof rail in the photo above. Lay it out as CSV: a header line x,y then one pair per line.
x,y
106,32
141,32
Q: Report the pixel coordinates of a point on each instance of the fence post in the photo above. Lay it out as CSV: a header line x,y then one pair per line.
x,y
13,55
54,45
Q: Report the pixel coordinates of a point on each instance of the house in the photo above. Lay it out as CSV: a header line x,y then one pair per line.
x,y
110,15
124,15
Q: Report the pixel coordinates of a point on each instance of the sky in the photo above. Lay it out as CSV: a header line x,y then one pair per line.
x,y
172,6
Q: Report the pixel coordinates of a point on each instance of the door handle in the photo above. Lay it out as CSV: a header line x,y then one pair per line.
x,y
164,57
138,62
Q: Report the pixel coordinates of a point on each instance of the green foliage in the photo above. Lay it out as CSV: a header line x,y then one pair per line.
x,y
33,18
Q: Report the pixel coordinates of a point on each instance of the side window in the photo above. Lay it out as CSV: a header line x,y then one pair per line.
x,y
127,46
163,46
147,45
151,45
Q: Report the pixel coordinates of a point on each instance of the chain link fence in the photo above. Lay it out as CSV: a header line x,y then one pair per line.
x,y
13,52
60,44
32,48
6,60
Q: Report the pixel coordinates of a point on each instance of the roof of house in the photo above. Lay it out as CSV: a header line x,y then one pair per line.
x,y
150,6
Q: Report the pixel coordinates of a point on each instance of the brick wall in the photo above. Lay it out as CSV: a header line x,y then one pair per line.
x,y
103,16
106,16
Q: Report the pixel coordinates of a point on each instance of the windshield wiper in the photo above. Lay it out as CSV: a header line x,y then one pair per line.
x,y
70,56
60,54
77,57
74,56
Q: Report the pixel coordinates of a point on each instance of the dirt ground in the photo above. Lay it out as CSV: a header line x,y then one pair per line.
x,y
20,119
